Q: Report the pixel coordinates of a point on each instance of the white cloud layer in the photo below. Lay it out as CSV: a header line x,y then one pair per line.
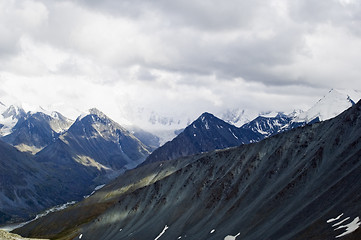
x,y
177,57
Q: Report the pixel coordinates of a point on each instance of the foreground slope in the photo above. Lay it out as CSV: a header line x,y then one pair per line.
x,y
289,186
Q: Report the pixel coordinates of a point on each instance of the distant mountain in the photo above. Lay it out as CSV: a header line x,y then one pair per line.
x,y
149,139
205,134
238,117
96,141
330,105
92,151
34,131
9,116
162,125
301,184
269,125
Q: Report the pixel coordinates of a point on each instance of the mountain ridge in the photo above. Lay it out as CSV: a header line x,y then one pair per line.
x,y
204,134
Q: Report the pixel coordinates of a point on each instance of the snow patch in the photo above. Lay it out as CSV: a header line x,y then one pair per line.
x,y
165,229
99,187
95,189
206,125
230,237
350,227
13,226
339,223
334,219
269,114
232,133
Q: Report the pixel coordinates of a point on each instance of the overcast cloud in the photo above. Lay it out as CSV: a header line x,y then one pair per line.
x,y
178,57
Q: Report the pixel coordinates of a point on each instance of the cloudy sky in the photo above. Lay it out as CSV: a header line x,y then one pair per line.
x,y
177,57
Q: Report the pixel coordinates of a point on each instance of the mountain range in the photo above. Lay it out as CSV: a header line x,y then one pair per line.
x,y
67,164
299,184
204,134
209,133
92,150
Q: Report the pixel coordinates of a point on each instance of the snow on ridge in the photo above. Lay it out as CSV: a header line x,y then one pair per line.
x,y
330,105
272,114
334,219
355,95
349,228
165,229
237,117
230,237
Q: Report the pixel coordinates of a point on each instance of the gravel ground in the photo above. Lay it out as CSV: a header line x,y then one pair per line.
x,y
10,236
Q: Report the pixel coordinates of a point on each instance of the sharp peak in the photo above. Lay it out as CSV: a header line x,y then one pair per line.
x,y
349,94
206,114
16,106
56,114
95,111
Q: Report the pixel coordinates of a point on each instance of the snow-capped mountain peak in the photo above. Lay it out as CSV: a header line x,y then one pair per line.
x,y
14,112
238,117
9,116
330,105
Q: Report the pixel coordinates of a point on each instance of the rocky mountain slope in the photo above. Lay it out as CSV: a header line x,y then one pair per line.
x,y
27,186
302,184
92,151
268,126
34,131
96,140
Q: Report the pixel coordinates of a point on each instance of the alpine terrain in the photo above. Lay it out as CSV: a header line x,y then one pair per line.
x,y
34,131
70,164
204,134
300,184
